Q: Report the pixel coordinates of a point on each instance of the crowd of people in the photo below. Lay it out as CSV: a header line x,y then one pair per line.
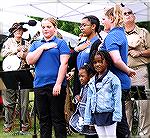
x,y
106,70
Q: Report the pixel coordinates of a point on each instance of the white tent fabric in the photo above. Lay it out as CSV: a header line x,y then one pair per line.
x,y
73,10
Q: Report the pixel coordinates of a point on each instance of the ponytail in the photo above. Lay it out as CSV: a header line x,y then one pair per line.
x,y
116,14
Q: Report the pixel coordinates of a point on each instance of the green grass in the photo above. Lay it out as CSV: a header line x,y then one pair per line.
x,y
16,134
15,131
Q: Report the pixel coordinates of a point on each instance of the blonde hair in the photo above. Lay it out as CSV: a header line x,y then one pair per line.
x,y
116,14
52,20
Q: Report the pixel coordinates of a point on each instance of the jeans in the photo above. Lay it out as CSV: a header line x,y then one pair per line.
x,y
50,111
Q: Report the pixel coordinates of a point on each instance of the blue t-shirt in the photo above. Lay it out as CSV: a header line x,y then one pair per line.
x,y
116,40
83,56
47,66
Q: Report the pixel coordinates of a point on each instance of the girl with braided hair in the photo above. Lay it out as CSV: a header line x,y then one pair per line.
x,y
90,29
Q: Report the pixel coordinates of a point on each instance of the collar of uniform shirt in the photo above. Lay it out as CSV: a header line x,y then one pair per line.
x,y
43,40
135,30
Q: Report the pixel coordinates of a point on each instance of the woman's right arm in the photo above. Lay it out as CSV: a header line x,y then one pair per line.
x,y
82,46
32,57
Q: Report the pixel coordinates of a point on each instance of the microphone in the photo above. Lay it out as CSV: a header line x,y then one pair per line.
x,y
30,23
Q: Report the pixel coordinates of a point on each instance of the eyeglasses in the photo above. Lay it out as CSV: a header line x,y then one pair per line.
x,y
129,12
84,25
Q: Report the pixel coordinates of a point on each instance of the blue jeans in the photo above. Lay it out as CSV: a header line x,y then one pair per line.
x,y
50,111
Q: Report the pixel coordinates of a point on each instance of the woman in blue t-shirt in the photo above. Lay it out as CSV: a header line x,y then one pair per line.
x,y
116,44
90,27
50,57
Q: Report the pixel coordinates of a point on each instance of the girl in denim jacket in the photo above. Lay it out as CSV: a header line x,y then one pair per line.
x,y
103,106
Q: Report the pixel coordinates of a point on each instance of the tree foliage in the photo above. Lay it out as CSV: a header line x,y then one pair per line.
x,y
145,25
70,27
73,27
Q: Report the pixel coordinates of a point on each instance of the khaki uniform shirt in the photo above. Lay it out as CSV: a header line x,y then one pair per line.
x,y
138,39
10,47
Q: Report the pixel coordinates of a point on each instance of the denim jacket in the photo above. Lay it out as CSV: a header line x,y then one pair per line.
x,y
106,99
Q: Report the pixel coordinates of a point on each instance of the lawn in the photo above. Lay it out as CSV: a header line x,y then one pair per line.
x,y
15,133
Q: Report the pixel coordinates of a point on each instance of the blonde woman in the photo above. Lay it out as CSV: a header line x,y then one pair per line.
x,y
116,44
50,56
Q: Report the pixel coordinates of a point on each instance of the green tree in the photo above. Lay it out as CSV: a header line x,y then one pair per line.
x,y
145,25
73,27
69,27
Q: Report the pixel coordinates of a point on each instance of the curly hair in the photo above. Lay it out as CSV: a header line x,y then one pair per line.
x,y
104,55
88,69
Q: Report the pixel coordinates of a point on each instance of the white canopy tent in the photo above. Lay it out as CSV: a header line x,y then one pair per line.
x,y
73,10
68,10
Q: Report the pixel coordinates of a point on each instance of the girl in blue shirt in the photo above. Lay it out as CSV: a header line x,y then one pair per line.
x,y
76,121
89,26
117,46
50,58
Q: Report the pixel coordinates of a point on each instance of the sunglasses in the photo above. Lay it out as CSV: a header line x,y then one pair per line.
x,y
130,12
